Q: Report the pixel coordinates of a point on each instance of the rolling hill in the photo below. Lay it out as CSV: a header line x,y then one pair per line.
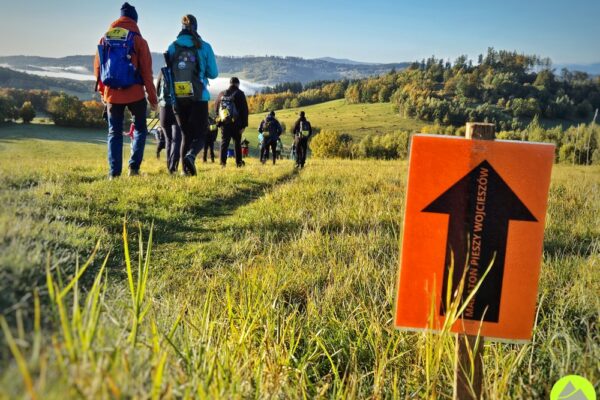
x,y
19,80
357,120
267,70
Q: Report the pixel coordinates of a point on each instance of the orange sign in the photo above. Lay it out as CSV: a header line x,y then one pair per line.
x,y
473,235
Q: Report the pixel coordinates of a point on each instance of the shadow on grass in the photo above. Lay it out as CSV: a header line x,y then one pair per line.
x,y
14,132
172,239
569,244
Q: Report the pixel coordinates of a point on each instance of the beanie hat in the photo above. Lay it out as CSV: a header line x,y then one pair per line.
x,y
127,10
234,81
190,23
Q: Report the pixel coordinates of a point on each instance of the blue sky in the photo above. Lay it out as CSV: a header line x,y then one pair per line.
x,y
374,30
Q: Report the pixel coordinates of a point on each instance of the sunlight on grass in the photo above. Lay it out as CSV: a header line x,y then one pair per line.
x,y
259,282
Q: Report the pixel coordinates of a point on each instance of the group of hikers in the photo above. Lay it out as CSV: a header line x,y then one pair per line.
x,y
123,68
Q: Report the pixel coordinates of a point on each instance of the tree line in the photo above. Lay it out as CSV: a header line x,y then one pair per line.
x,y
63,109
295,94
504,87
578,145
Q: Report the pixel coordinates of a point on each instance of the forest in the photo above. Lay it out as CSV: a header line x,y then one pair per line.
x,y
503,87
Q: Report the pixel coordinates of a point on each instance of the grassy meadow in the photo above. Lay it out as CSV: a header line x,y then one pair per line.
x,y
254,283
357,120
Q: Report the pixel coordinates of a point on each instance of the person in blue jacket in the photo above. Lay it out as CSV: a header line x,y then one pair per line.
x,y
192,64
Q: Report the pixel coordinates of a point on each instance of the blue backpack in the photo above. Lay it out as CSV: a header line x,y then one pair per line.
x,y
116,69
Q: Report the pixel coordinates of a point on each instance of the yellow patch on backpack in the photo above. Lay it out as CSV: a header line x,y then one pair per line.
x,y
184,89
117,34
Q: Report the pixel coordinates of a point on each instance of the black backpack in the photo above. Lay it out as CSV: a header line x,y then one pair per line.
x,y
304,129
185,67
270,127
228,112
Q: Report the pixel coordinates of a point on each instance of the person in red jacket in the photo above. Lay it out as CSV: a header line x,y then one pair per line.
x,y
131,96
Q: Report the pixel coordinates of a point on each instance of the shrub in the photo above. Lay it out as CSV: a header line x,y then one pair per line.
x,y
27,112
509,135
387,147
330,144
67,110
8,110
567,153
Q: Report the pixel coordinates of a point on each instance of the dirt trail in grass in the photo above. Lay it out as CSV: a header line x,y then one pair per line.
x,y
179,242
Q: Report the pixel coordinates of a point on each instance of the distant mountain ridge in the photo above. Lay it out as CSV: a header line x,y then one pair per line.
x,y
267,70
19,80
345,61
592,69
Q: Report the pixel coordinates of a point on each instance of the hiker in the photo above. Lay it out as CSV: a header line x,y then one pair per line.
x,y
161,141
168,124
232,114
209,144
245,148
271,129
302,132
123,68
192,63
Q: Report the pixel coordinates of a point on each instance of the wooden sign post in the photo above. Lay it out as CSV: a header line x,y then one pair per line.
x,y
468,361
473,234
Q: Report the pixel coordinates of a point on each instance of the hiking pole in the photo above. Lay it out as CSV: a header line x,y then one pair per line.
x,y
168,77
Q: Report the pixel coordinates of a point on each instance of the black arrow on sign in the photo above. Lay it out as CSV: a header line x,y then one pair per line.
x,y
480,206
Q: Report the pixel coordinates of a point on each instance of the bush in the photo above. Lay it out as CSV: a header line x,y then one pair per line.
x,y
388,147
27,112
567,153
69,111
92,114
8,110
509,135
331,144
585,140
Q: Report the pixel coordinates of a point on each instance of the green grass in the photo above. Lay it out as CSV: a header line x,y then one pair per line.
x,y
260,282
355,119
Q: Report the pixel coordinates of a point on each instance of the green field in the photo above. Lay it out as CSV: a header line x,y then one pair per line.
x,y
355,119
261,282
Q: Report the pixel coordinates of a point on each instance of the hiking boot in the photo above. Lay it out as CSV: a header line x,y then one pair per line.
x,y
189,165
112,177
133,172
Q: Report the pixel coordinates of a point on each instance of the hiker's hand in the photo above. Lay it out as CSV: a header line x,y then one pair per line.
x,y
154,107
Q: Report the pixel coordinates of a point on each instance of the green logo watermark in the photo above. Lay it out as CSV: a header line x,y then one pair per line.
x,y
573,387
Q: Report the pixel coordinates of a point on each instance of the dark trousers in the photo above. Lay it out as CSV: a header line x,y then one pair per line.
x,y
115,116
301,143
193,120
168,123
227,134
264,151
160,143
209,146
